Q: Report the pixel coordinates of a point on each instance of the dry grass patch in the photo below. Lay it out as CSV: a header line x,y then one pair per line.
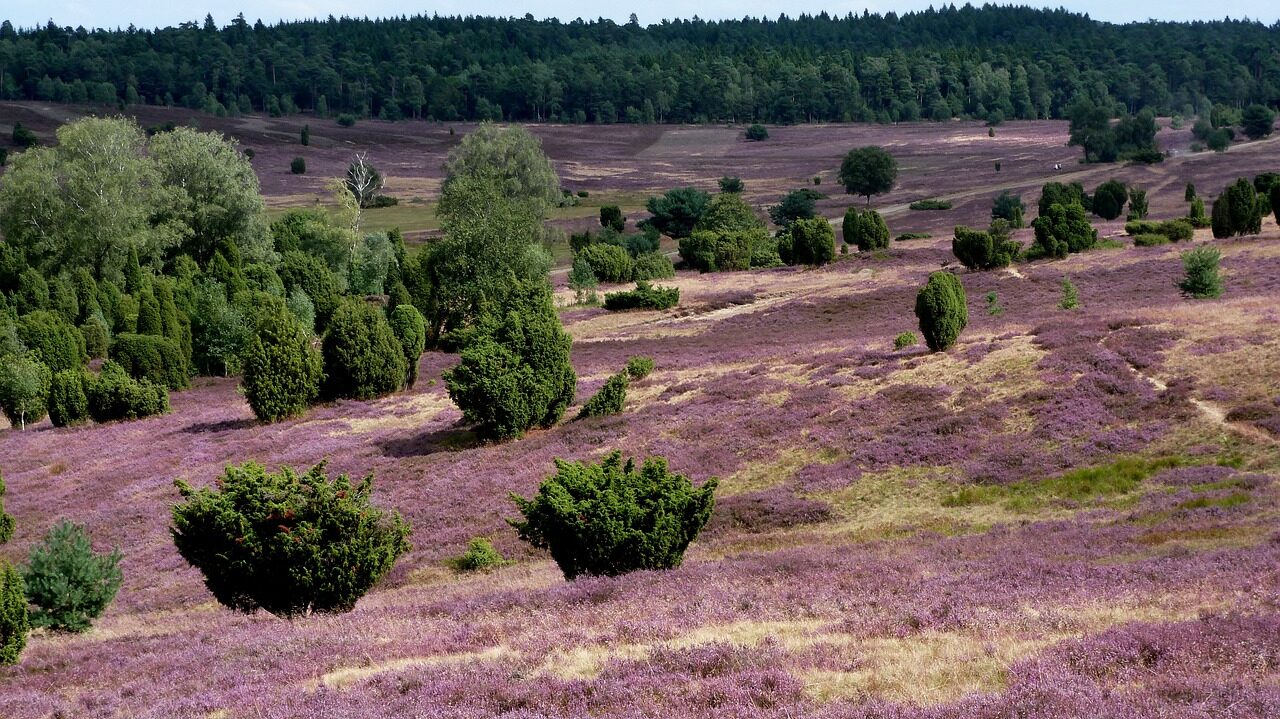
x,y
408,412
779,470
344,677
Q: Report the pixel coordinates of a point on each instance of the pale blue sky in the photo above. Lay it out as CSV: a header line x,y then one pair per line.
x,y
121,13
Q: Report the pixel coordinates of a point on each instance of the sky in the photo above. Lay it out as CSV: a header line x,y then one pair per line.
x,y
122,13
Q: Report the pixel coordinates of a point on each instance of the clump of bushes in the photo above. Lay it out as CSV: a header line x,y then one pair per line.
x,y
867,230
942,310
1063,229
480,556
912,236
68,404
639,367
609,399
51,340
985,249
809,242
612,518
515,372
645,296
609,263
931,204
612,218
1171,230
1008,207
757,132
1202,279
362,358
1237,211
1149,239
69,584
282,371
652,266
286,543
1197,216
114,395
150,357
904,340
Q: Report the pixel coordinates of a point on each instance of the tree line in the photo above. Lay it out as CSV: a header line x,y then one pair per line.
x,y
990,63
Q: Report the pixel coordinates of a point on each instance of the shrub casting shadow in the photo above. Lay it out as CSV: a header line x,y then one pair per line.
x,y
453,439
226,425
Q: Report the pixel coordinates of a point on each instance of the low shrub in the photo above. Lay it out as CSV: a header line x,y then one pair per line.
x,y
7,522
298,166
639,367
810,242
286,543
69,584
480,556
644,297
1202,280
984,249
757,132
114,395
1149,239
150,357
912,236
610,518
609,263
904,340
348,120
652,266
609,399
1070,296
931,205
68,404
1172,230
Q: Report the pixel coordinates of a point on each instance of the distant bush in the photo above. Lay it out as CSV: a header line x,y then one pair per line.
x,y
611,217
1109,199
584,194
1171,230
362,358
346,120
609,399
68,404
904,340
69,584
811,242
1070,296
1138,205
114,395
23,138
942,310
286,543
931,204
676,212
652,266
983,250
1008,207
757,132
51,339
644,297
1202,280
14,622
1057,193
639,367
480,555
1149,239
1064,229
378,201
731,184
610,519
515,374
867,230
1237,211
1196,215
609,263
410,330
282,370
150,357
1189,193
24,390
912,236
298,166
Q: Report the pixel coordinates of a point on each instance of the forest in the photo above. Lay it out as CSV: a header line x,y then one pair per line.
x,y
991,63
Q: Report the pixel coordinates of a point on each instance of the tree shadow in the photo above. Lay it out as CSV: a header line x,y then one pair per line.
x,y
226,425
452,439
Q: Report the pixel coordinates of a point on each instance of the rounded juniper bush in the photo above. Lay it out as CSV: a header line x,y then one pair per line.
x,y
282,370
609,399
362,358
942,311
410,330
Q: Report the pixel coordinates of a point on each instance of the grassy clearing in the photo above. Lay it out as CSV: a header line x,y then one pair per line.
x,y
1081,485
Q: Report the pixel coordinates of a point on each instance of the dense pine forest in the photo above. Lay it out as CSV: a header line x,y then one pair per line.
x,y
989,63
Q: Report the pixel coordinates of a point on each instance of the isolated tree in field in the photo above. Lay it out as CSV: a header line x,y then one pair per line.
x,y
1258,121
362,358
612,218
1202,279
286,543
1008,207
22,137
677,211
14,622
282,371
363,180
942,310
511,154
69,584
515,373
1237,211
411,332
1064,229
1109,199
24,390
1090,130
868,171
811,242
305,135
731,184
757,132
612,518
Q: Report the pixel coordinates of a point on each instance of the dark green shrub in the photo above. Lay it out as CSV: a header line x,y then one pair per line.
x,y
97,336
1138,205
813,242
282,370
14,622
23,138
1064,229
930,204
1109,199
609,263
904,340
795,205
982,250
609,519
149,314
514,373
610,398
52,340
33,292
346,119
731,184
757,132
24,390
1070,296
362,358
1189,193
611,217
150,357
722,251
867,230
1202,280
652,266
1057,193
1196,215
1008,207
942,310
286,543
1176,230
114,395
912,236
6,520
1237,211
639,367
411,332
644,297
68,404
1149,239
480,556
300,271
69,584
676,212
298,165
63,300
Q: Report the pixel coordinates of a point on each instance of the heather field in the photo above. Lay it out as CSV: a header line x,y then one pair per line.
x,y
1068,514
